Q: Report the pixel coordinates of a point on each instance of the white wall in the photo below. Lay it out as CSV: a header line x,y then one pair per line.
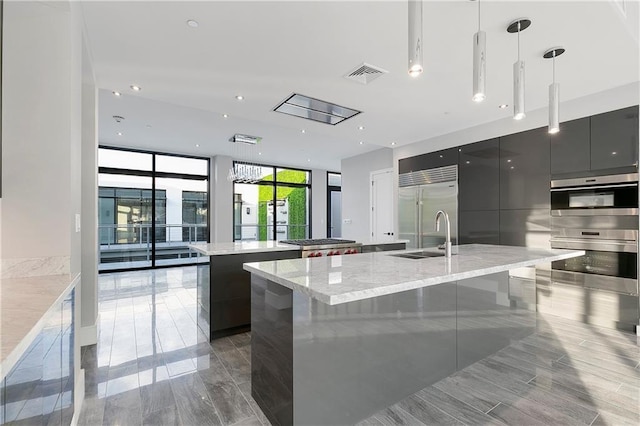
x,y
221,207
355,191
620,97
89,214
318,203
41,97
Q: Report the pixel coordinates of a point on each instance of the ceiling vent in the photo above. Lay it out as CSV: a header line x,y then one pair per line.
x,y
248,139
365,73
315,109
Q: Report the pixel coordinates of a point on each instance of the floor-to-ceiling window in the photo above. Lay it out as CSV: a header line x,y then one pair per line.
x,y
276,207
151,206
334,205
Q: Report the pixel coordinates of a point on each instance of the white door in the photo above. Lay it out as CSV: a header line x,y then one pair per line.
x,y
382,206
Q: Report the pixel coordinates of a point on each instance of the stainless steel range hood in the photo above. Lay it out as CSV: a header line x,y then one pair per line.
x,y
315,109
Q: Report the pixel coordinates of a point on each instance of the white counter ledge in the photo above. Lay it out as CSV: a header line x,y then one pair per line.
x,y
341,279
24,306
241,247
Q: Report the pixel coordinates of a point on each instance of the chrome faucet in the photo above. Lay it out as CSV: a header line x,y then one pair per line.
x,y
447,243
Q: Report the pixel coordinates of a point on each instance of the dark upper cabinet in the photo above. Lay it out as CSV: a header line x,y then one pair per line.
x,y
479,227
526,228
479,176
570,148
525,170
431,160
614,139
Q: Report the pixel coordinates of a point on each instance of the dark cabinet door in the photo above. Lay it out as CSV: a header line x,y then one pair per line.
x,y
614,139
431,160
525,170
570,148
479,176
479,227
526,228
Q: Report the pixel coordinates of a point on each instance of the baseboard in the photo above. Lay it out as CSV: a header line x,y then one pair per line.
x,y
78,398
89,335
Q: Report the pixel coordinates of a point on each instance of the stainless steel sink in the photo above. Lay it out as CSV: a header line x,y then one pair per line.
x,y
419,254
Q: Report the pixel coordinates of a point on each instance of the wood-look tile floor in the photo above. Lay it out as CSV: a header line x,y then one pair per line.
x,y
153,366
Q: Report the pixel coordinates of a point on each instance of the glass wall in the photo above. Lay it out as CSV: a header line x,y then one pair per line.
x,y
334,205
150,208
274,208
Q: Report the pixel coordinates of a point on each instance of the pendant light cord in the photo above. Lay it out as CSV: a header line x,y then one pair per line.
x,y
478,15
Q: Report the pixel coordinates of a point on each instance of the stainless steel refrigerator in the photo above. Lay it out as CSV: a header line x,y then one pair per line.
x,y
421,195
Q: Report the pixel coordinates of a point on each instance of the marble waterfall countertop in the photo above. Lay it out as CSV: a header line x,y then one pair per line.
x,y
25,304
341,279
240,247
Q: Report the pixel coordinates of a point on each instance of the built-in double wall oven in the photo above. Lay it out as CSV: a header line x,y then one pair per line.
x,y
599,215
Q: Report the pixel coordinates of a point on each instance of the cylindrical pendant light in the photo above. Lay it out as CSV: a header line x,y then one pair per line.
x,y
479,63
415,37
554,91
518,71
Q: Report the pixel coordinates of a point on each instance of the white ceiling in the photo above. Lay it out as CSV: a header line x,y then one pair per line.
x,y
268,50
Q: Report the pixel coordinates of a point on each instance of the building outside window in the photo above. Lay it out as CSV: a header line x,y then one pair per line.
x,y
274,208
151,206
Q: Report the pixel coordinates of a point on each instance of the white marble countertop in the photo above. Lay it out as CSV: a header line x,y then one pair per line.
x,y
341,279
239,247
24,306
380,243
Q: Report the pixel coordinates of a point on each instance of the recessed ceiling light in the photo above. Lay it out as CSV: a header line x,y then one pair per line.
x,y
614,153
441,156
197,145
511,167
259,153
503,106
360,127
116,93
119,133
309,160
508,161
239,97
192,23
361,142
393,143
136,88
225,115
468,162
303,131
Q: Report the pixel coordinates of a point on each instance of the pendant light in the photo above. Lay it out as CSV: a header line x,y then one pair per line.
x,y
554,91
518,26
479,63
415,37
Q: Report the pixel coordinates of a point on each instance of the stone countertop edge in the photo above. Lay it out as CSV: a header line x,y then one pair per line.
x,y
382,290
11,358
225,249
384,243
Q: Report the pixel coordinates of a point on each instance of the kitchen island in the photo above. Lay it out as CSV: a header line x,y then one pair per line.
x,y
224,289
335,340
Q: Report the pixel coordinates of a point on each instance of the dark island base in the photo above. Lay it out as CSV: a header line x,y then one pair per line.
x,y
224,291
318,364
